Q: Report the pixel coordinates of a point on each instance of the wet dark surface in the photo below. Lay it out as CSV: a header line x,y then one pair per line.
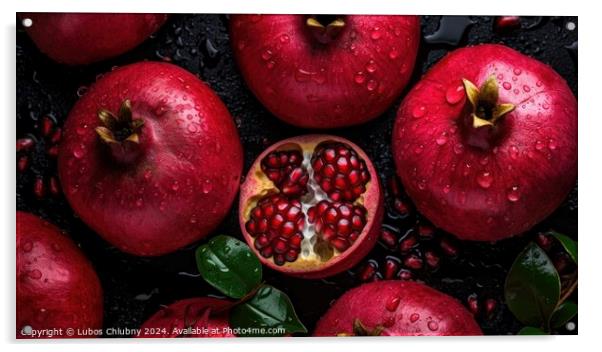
x,y
136,287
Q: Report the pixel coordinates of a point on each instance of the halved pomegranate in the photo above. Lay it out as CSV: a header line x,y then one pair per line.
x,y
311,206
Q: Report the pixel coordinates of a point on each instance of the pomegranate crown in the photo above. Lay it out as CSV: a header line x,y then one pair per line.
x,y
484,101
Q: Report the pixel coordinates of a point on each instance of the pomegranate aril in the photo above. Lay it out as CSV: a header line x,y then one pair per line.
x,y
473,304
405,274
54,186
340,224
388,238
490,306
426,231
413,261
401,207
53,151
448,248
23,163
407,244
368,271
544,241
284,169
47,125
391,268
506,23
432,260
24,144
56,136
39,190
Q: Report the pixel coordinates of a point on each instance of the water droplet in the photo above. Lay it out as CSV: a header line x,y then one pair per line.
x,y
207,186
266,55
79,151
175,186
552,144
139,202
526,88
392,304
514,152
148,174
414,317
507,85
446,189
433,325
517,71
539,83
27,246
513,194
393,54
371,66
359,78
485,179
35,274
284,38
419,111
539,145
442,139
458,148
454,94
376,34
545,106
193,220
372,84
418,149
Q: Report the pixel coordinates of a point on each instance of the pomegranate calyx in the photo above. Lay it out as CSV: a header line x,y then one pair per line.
x,y
325,33
484,102
120,132
359,329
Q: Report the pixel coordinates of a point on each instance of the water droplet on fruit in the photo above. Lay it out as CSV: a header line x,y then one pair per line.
x,y
371,66
545,106
372,84
376,34
446,189
175,186
139,202
514,152
207,186
27,246
526,88
392,304
284,38
539,145
414,317
507,85
433,325
442,139
359,78
35,274
552,144
266,54
513,194
80,130
79,151
393,54
418,149
517,71
419,111
539,83
458,148
485,179
454,94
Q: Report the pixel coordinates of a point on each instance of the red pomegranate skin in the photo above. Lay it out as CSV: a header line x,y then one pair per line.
x,y
308,84
205,316
186,177
501,191
402,308
84,38
57,286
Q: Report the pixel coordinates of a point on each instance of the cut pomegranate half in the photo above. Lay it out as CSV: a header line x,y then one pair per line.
x,y
311,206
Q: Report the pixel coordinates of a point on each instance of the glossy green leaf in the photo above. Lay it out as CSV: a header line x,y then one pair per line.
x,y
532,287
229,265
268,310
569,245
529,330
565,312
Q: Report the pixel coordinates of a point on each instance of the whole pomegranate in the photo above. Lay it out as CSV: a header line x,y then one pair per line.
x,y
311,206
193,317
486,142
150,158
57,287
83,38
325,71
396,308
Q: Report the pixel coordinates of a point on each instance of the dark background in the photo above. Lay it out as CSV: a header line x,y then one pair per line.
x,y
136,287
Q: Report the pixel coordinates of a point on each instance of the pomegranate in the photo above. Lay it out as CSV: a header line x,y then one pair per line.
x,y
57,287
325,71
311,206
193,317
150,158
83,38
396,308
486,143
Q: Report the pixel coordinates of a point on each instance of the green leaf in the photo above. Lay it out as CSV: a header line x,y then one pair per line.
x,y
269,308
228,265
529,330
569,245
532,287
565,312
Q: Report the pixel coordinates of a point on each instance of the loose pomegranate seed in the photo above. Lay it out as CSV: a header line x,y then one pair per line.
x,y
391,267
338,223
490,305
56,136
448,248
368,271
405,274
506,23
407,244
393,184
47,125
53,151
339,171
413,261
401,207
24,144
432,260
473,304
277,223
38,188
284,169
426,231
55,188
388,238
23,163
544,241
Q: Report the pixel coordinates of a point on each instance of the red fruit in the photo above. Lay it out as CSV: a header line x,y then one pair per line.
x,y
307,233
407,244
391,268
490,306
83,38
150,158
325,71
193,317
473,304
413,261
25,144
47,126
23,163
39,189
492,165
368,271
388,238
506,23
56,285
396,308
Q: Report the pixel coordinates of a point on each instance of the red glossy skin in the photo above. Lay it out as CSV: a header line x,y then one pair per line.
x,y
310,84
57,286
372,202
207,317
186,177
531,164
83,38
402,308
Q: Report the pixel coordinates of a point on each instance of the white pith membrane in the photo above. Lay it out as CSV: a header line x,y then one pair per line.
x,y
314,251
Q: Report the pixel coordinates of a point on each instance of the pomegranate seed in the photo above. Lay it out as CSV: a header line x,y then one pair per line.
x,y
405,274
401,207
388,238
338,223
506,23
24,144
394,186
368,271
53,151
55,188
544,241
561,263
47,125
38,188
284,169
432,260
339,171
56,136
426,231
448,248
23,163
407,244
276,223
490,305
413,261
473,304
391,267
